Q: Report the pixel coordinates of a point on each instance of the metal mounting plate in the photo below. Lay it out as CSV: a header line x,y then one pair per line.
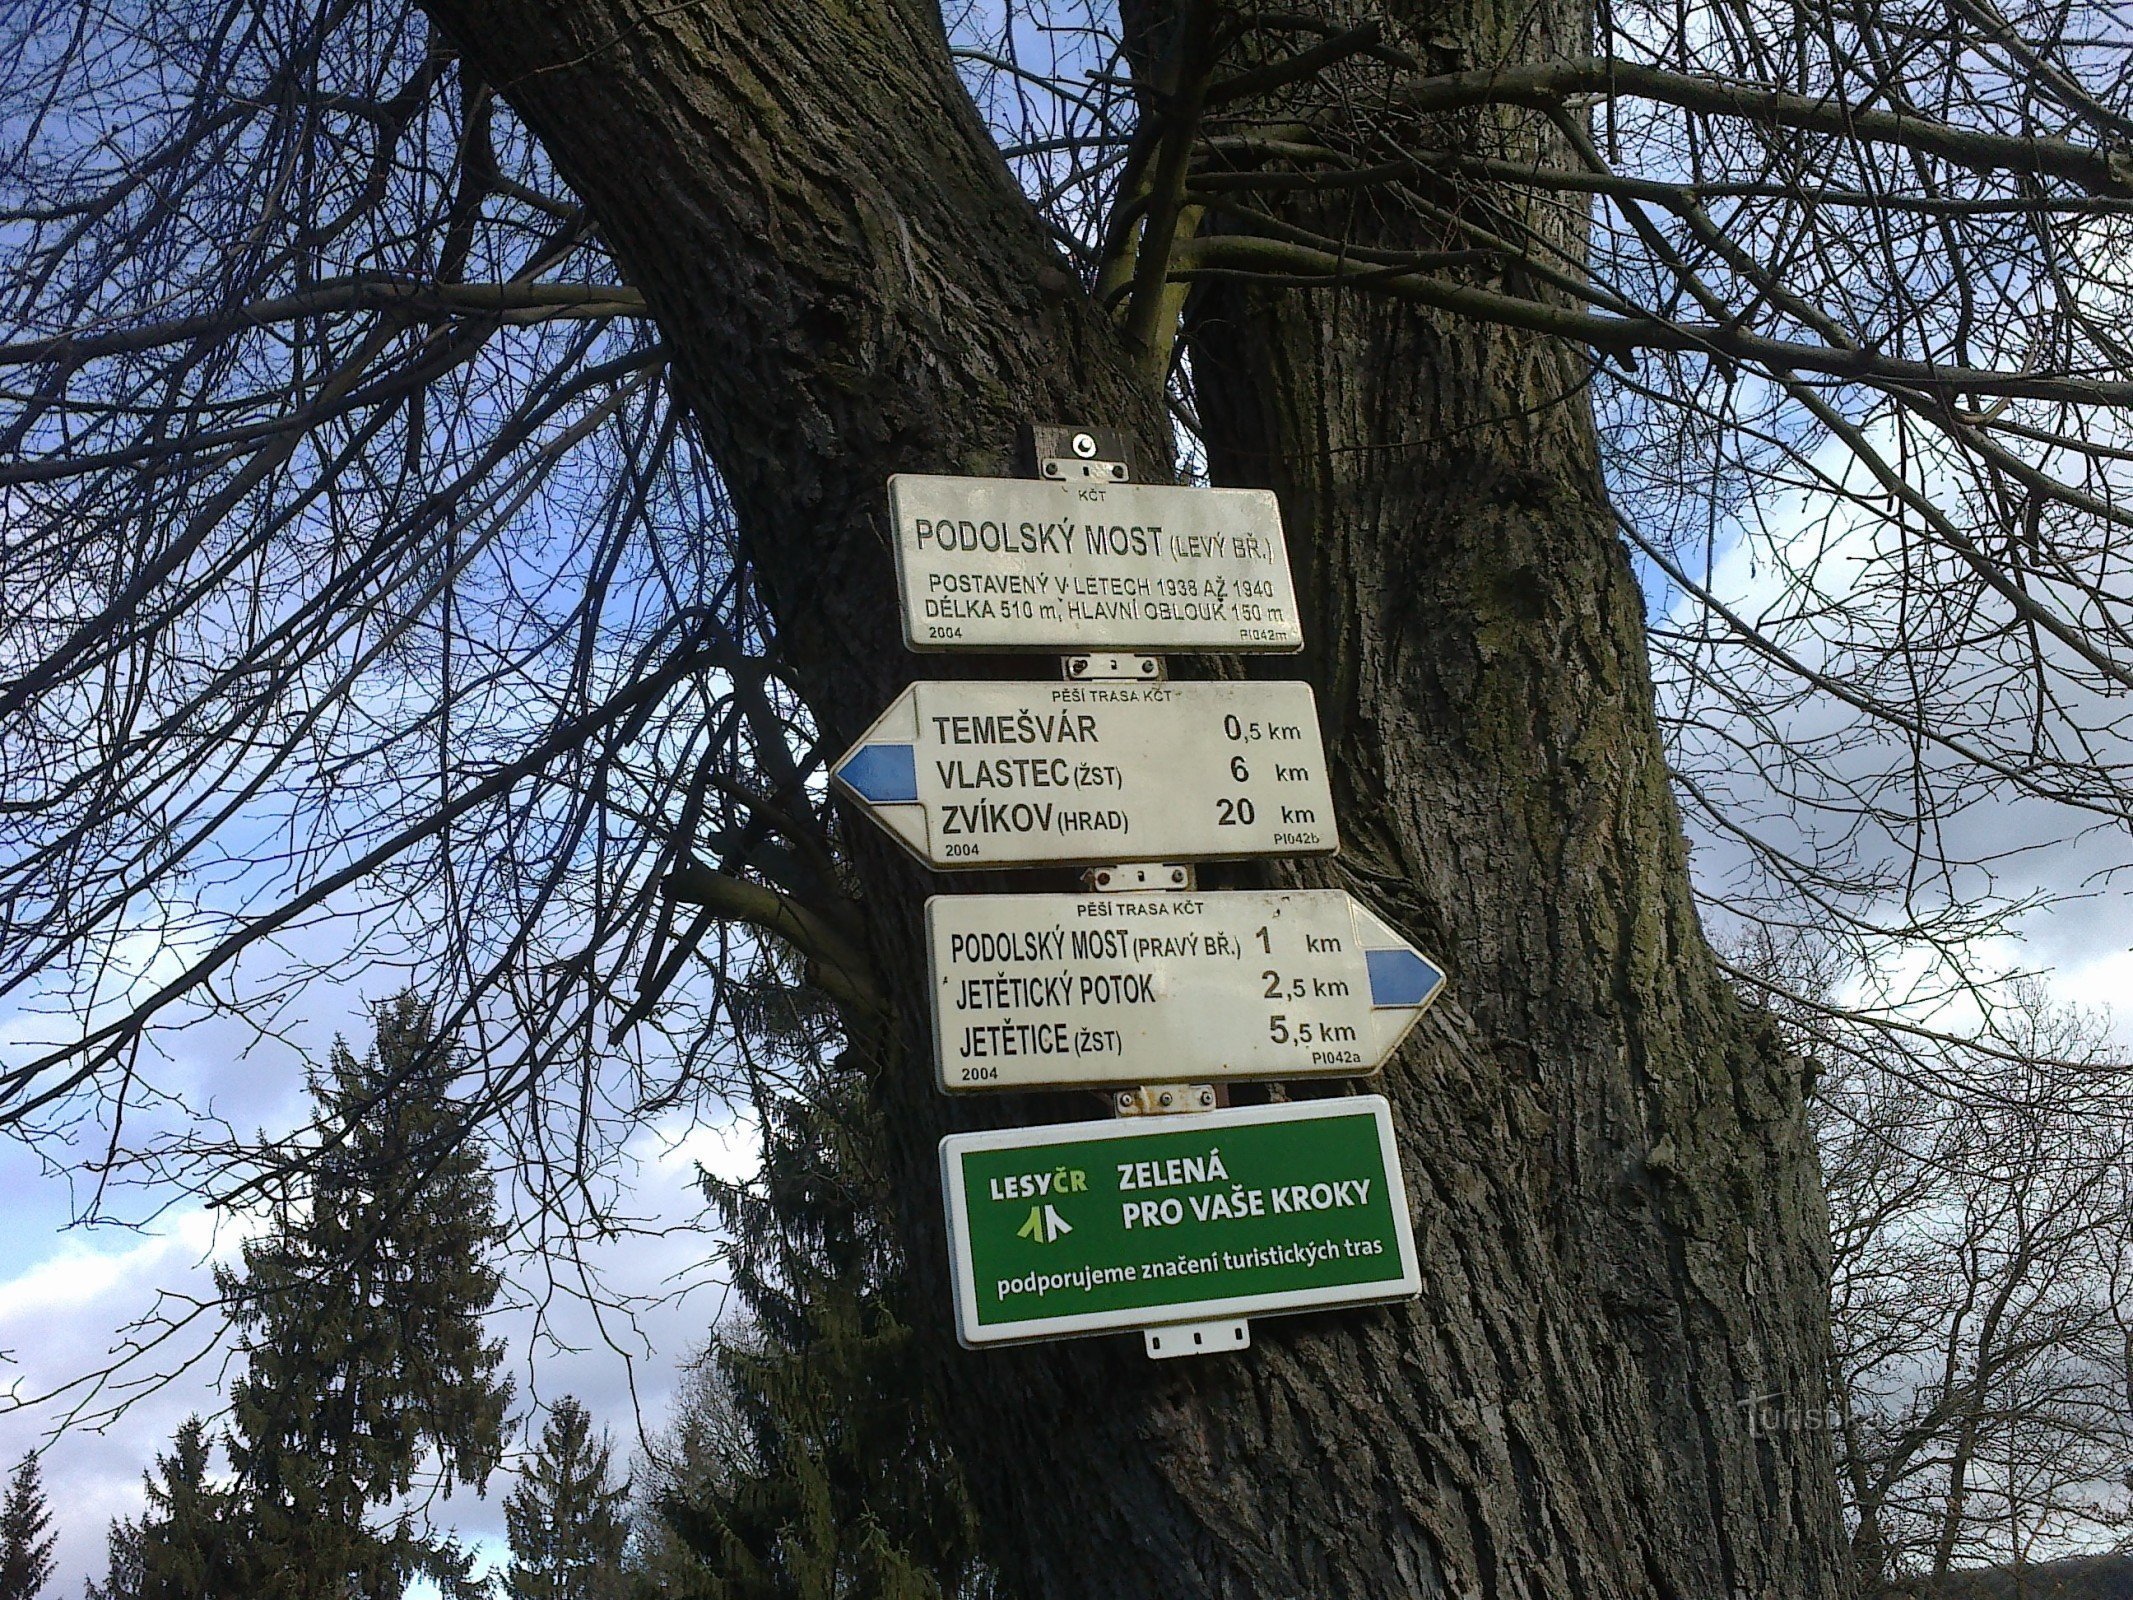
x,y
1136,876
1076,446
1164,1099
1069,469
1113,668
1196,1339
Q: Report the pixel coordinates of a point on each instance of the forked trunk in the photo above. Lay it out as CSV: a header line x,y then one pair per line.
x,y
1614,1194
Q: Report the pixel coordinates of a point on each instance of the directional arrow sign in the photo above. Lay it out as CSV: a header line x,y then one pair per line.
x,y
1093,1226
1022,564
1036,774
1051,990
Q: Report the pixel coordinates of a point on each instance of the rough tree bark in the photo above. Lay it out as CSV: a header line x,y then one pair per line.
x,y
1613,1190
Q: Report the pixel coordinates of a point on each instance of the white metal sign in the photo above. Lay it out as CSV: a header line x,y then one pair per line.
x,y
1025,564
1038,774
1051,990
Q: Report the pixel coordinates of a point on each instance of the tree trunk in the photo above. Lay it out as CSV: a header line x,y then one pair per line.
x,y
1614,1196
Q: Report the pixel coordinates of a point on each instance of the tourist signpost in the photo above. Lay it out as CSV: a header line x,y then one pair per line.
x,y
1022,564
1037,774
1179,1225
1056,990
1089,1226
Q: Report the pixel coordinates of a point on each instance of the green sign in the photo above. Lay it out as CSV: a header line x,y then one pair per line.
x,y
1092,1226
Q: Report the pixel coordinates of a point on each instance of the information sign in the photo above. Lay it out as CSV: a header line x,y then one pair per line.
x,y
1052,990
1087,1227
1026,564
976,774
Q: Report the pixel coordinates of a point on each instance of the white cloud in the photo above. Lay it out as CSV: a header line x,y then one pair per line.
x,y
1840,588
70,1289
2104,982
726,1150
59,1319
80,1275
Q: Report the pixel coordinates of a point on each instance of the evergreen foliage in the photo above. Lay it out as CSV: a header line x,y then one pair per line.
x,y
567,1520
26,1536
359,1317
189,1543
807,1468
359,1314
701,1449
123,1564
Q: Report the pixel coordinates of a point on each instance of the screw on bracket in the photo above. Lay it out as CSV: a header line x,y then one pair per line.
x,y
1114,668
1164,1100
1139,875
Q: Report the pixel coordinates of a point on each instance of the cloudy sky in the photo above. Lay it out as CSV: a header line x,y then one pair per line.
x,y
65,1293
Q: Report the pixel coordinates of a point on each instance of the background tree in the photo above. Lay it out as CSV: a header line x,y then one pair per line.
x,y
803,1459
123,1563
696,1452
26,1534
567,1519
189,1543
359,1315
450,445
1978,1359
2068,1578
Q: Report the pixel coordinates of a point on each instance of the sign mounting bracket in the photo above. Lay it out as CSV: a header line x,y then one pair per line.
x,y
1072,454
1083,447
1134,876
1110,668
1196,1339
1164,1100
1083,462
1078,453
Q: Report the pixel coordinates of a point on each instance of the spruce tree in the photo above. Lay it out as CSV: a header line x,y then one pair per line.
x,y
699,1450
190,1542
567,1519
359,1315
122,1564
828,1477
26,1536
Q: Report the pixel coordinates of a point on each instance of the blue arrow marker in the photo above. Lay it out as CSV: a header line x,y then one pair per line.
x,y
1400,978
882,774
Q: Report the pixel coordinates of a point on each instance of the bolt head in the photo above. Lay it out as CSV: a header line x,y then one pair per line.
x,y
1085,446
